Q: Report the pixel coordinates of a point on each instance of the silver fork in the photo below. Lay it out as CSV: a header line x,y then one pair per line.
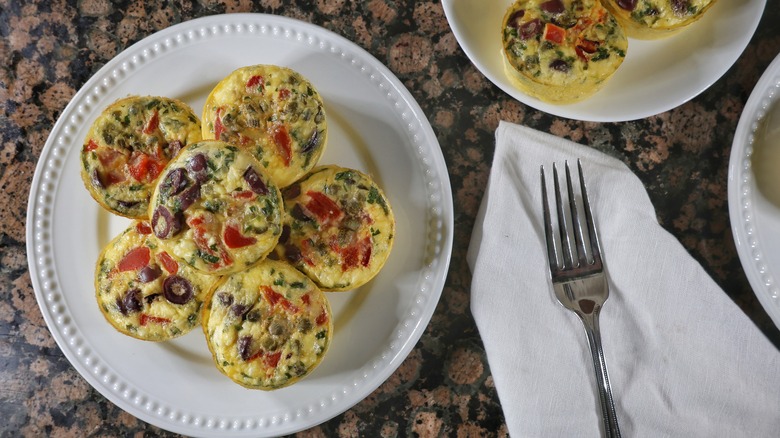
x,y
577,275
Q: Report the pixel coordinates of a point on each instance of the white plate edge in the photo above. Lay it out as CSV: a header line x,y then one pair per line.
x,y
741,190
38,224
566,112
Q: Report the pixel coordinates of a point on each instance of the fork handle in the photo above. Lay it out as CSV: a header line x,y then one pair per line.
x,y
591,323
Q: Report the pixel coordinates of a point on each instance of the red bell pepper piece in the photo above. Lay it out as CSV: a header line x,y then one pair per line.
x,y
234,239
218,127
283,142
144,167
152,124
143,228
255,81
90,146
168,262
146,319
323,207
135,259
554,33
322,318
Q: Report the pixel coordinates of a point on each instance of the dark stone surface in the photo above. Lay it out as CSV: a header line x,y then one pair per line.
x,y
444,388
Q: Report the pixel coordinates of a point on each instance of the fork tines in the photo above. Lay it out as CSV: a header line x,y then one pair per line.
x,y
568,260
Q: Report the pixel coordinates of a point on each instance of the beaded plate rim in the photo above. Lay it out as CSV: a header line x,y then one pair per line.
x,y
422,143
744,196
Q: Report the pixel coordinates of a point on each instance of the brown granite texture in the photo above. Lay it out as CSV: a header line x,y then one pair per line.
x,y
444,388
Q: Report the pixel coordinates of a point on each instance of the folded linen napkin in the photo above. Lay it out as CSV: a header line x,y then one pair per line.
x,y
683,359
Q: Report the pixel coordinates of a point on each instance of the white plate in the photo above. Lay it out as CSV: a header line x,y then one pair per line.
x,y
656,76
375,126
755,216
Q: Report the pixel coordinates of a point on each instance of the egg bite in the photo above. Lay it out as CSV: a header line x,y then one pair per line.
x,y
143,292
339,227
273,112
267,327
561,51
653,19
215,209
127,147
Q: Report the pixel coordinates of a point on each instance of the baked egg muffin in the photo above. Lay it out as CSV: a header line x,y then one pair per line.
x,y
652,19
338,227
561,51
143,292
127,147
215,209
267,327
273,112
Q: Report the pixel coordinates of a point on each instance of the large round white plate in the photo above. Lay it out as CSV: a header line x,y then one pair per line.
x,y
656,76
755,215
375,126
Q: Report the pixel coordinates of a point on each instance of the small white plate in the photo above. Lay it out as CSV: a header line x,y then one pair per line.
x,y
656,76
755,215
375,125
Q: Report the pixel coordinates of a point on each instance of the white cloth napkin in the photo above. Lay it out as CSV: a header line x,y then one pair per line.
x,y
683,359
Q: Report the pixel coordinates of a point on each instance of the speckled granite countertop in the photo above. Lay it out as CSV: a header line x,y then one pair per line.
x,y
444,388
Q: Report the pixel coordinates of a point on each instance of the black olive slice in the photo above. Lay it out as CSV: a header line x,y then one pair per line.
x,y
177,290
164,223
313,141
130,302
174,182
189,196
96,180
291,191
254,181
127,204
292,253
245,346
285,236
149,273
552,6
297,212
225,298
196,165
239,310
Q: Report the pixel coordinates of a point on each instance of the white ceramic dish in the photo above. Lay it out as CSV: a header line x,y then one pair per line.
x,y
375,126
755,217
656,76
